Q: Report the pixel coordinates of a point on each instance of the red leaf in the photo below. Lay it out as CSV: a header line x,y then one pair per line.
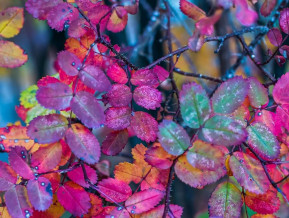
x,y
114,142
46,158
47,129
147,97
74,199
69,63
87,109
63,13
8,177
275,36
117,74
77,176
206,24
40,193
280,90
118,118
17,202
160,73
40,8
143,201
191,10
83,143
18,158
95,78
144,77
54,96
119,95
117,20
284,20
99,13
267,7
144,126
158,211
44,81
252,176
114,190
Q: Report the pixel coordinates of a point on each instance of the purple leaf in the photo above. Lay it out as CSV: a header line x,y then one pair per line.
x,y
40,8
69,63
284,20
114,142
8,177
118,118
147,97
275,36
77,176
119,95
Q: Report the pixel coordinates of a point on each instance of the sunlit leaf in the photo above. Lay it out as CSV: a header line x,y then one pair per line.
x,y
11,21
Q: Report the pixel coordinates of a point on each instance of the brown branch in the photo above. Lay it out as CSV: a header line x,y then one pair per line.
x,y
197,75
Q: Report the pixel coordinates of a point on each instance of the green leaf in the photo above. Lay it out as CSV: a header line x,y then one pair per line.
x,y
195,105
258,94
226,201
27,97
36,111
173,138
222,130
262,141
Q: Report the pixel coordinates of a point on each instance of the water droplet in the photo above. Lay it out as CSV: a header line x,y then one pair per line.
x,y
63,10
260,113
2,136
22,152
36,168
241,161
24,52
73,63
36,140
42,183
26,140
35,174
26,211
23,156
70,10
27,215
111,216
78,68
134,207
132,211
252,56
16,140
119,208
2,147
101,125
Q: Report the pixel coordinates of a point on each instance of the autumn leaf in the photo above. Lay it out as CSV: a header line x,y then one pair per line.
x,y
11,21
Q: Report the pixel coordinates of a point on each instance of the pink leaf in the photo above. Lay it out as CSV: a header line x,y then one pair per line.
x,y
83,143
206,24
280,90
77,176
275,36
55,96
87,4
87,109
282,116
63,13
95,78
40,8
249,173
47,129
78,28
114,190
196,41
160,73
284,20
267,7
258,94
8,177
18,159
158,211
147,97
117,74
46,158
100,14
68,62
144,126
119,95
114,142
74,199
244,13
156,156
17,202
269,119
191,10
118,118
40,193
117,20
144,77
143,201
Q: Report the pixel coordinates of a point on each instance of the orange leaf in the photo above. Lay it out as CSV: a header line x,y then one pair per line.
x,y
11,22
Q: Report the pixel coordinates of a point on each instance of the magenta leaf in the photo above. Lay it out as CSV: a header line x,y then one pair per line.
x,y
119,95
230,95
158,211
143,201
206,24
46,158
258,94
69,63
114,190
144,77
40,193
40,8
54,96
144,126
280,90
262,141
195,105
47,129
83,143
147,97
77,176
99,14
78,28
61,15
284,20
95,78
118,118
160,73
244,13
117,74
17,202
173,138
249,173
18,159
87,109
8,177
196,41
74,199
282,117
275,36
221,130
114,142
226,201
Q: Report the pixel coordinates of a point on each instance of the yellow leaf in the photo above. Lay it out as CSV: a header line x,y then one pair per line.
x,y
11,21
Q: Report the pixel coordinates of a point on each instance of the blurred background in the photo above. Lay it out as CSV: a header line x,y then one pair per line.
x,y
142,41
